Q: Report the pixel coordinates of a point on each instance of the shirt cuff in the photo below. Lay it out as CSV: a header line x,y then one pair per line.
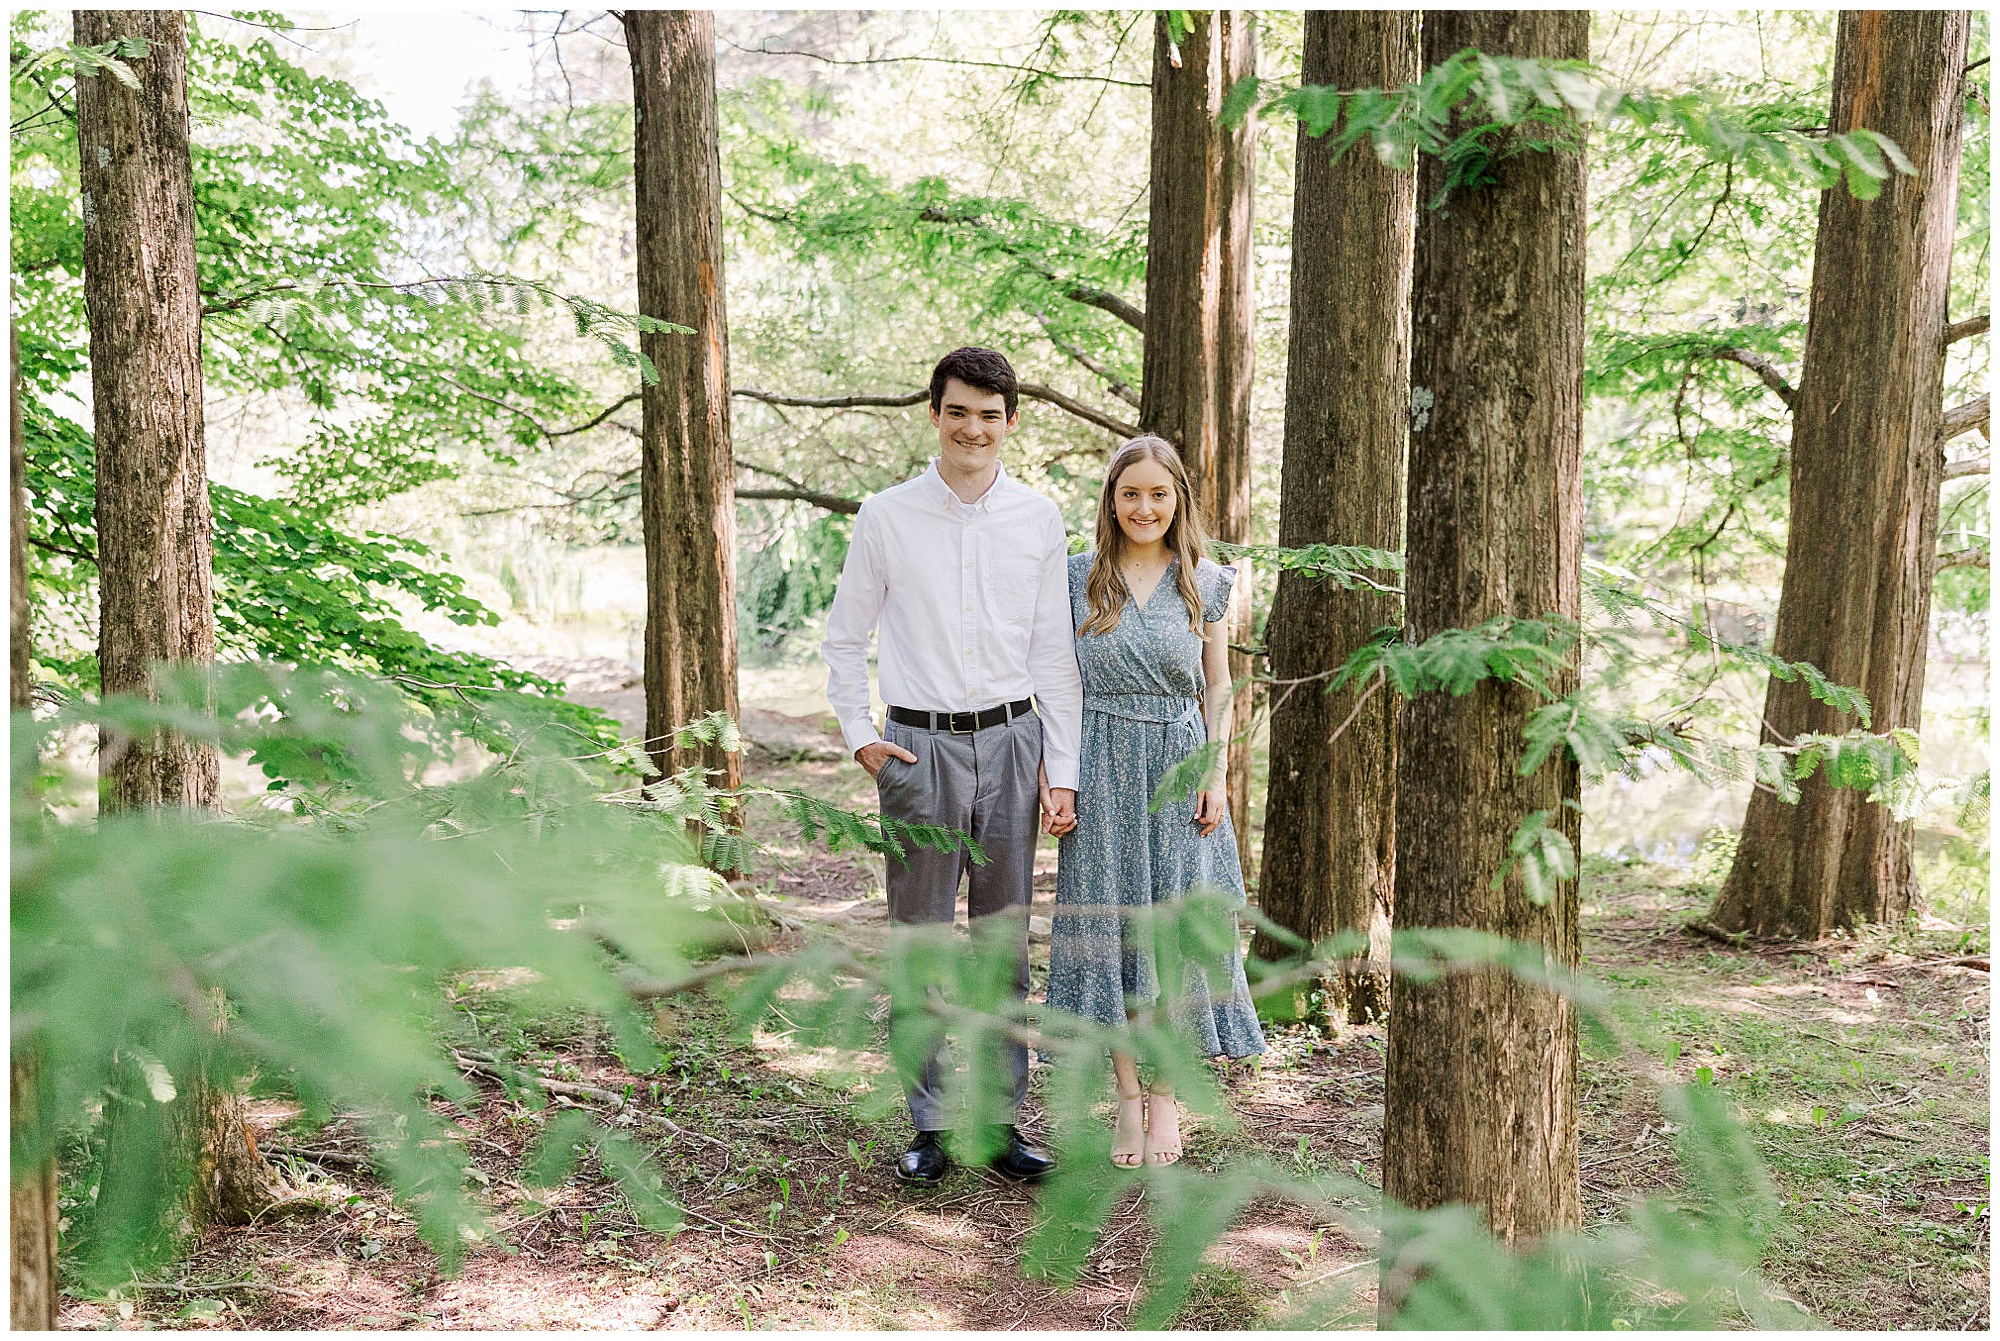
x,y
858,734
1064,776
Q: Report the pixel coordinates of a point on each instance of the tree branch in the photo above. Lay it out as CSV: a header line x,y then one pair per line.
x,y
944,60
1032,390
1767,372
1107,301
795,491
538,425
1958,470
593,422
1114,385
243,300
80,556
832,503
1089,414
1073,289
1962,558
831,402
1964,418
1764,477
1965,330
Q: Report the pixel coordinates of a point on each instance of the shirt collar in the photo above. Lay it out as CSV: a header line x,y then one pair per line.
x,y
953,503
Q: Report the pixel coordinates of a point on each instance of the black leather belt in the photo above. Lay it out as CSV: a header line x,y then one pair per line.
x,y
963,723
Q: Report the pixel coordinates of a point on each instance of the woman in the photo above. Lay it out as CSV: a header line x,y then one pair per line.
x,y
1151,639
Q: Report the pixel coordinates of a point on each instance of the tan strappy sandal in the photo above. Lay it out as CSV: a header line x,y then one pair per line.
x,y
1161,1151
1128,1146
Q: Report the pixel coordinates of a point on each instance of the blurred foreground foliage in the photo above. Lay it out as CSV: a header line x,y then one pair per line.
x,y
383,867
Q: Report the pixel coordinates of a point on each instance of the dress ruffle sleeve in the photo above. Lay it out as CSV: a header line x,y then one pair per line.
x,y
1215,582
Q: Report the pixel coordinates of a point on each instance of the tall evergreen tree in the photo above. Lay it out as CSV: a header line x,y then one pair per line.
x,y
31,1217
1481,1090
31,1201
1329,821
1200,300
686,480
1866,467
19,647
154,549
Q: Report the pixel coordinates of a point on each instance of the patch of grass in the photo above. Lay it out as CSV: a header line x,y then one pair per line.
x,y
1957,877
1859,1073
1219,1300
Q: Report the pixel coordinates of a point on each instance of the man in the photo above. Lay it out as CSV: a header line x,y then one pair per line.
x,y
964,571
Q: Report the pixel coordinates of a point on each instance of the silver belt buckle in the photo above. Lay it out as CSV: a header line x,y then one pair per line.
x,y
972,718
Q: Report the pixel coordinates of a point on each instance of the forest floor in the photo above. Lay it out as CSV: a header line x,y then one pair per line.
x,y
1860,1067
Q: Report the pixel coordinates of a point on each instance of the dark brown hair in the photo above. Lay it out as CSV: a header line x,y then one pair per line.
x,y
979,368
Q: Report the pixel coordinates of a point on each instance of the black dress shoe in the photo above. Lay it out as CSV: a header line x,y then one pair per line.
x,y
1021,1161
924,1161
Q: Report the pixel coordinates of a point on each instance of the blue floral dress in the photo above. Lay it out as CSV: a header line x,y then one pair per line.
x,y
1142,714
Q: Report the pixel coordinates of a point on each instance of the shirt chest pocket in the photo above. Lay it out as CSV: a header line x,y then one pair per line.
x,y
1012,582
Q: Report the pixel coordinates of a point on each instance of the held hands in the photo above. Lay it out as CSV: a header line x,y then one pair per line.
x,y
1058,807
1208,804
877,753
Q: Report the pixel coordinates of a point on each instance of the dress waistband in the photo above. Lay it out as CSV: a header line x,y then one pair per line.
x,y
1144,707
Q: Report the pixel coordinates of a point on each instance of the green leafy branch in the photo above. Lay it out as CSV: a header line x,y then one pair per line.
x,y
289,587
1535,653
819,999
279,305
687,796
85,62
314,939
1346,566
1510,105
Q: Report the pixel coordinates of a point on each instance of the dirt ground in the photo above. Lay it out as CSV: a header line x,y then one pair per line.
x,y
1860,1066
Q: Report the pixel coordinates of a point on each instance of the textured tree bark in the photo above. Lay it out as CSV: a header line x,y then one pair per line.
x,y
31,1202
1865,473
154,550
1329,821
20,689
1200,302
144,311
231,1180
1481,1101
31,1217
687,490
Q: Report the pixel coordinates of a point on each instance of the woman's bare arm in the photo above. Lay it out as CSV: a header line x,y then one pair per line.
x,y
1217,699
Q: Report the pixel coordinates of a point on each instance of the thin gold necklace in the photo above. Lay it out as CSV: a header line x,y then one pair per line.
x,y
1127,571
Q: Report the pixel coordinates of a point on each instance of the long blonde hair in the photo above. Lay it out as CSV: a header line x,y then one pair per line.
x,y
1105,591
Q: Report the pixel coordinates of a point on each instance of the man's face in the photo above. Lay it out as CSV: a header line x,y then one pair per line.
x,y
971,425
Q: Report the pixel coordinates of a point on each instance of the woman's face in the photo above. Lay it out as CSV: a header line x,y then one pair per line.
x,y
1143,500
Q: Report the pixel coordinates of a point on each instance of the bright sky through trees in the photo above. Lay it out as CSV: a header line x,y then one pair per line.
x,y
422,63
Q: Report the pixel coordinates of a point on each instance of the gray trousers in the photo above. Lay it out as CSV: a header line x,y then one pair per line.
x,y
985,784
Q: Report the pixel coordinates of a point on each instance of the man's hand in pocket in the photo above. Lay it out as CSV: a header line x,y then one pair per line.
x,y
877,753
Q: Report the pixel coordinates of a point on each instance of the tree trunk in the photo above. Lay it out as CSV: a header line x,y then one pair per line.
x,y
1482,1080
687,489
1329,821
1865,474
1200,298
154,553
31,1211
20,688
31,1203
153,544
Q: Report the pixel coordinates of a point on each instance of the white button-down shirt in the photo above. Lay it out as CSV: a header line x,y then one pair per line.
x,y
972,600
